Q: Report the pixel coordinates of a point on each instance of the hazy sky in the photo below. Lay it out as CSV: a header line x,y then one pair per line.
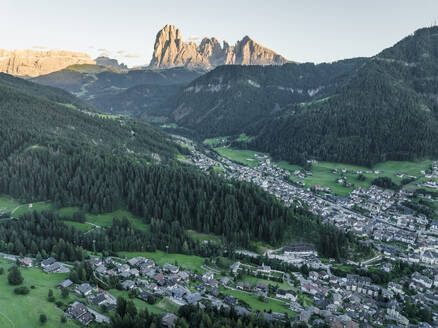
x,y
300,30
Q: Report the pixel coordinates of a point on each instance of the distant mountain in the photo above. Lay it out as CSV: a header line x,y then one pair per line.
x,y
171,51
139,101
388,110
228,99
32,63
109,62
101,85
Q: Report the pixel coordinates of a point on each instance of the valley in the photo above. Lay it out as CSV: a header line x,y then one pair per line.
x,y
217,185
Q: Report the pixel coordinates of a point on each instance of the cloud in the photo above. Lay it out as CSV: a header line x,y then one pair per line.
x,y
104,54
90,47
120,52
130,55
103,50
39,47
194,38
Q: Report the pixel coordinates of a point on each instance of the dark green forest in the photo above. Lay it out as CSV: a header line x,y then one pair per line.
x,y
229,98
52,152
387,111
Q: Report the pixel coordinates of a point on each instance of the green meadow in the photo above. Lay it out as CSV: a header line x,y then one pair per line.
x,y
22,311
190,262
257,304
245,157
322,174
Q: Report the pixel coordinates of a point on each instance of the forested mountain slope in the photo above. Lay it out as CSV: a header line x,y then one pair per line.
x,y
229,98
101,86
30,121
387,111
54,152
138,101
44,92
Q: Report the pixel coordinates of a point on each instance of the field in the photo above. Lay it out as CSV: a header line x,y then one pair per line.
x,y
256,304
254,280
9,204
189,262
165,305
215,141
24,311
321,174
203,236
245,157
24,208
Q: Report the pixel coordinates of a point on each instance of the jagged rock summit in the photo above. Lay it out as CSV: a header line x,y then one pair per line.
x,y
110,62
171,51
32,63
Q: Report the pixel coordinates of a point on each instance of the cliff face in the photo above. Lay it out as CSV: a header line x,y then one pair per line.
x,y
110,62
34,63
171,51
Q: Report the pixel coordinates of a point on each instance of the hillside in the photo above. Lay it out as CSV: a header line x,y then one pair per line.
x,y
387,111
138,101
229,98
44,92
35,115
57,153
102,86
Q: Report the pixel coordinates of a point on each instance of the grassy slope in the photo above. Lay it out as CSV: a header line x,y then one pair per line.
x,y
256,304
245,157
24,311
189,262
322,170
9,204
322,173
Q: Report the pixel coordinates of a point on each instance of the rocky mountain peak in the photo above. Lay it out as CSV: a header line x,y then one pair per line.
x,y
32,63
171,51
110,62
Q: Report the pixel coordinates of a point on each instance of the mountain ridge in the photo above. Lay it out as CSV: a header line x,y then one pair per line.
x,y
32,63
171,51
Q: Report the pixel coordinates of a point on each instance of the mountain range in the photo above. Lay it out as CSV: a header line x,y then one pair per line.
x,y
31,63
361,110
171,51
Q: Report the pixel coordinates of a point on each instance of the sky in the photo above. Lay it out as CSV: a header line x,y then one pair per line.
x,y
300,30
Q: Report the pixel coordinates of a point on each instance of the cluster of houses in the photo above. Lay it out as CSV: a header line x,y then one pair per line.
x,y
388,220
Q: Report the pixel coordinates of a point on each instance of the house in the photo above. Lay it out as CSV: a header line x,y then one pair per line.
x,y
230,300
53,268
170,268
128,284
208,276
144,296
422,280
313,275
235,267
101,269
84,289
193,298
264,268
396,288
169,320
79,312
285,294
244,285
48,262
65,284
95,261
25,262
98,300
184,275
